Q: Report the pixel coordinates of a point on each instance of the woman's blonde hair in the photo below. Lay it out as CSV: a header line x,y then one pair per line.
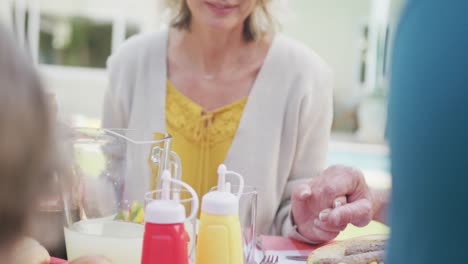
x,y
25,139
259,22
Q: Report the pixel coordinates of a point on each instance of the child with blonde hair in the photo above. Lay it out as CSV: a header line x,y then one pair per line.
x,y
26,155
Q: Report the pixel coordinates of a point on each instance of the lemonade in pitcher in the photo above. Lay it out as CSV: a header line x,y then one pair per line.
x,y
119,241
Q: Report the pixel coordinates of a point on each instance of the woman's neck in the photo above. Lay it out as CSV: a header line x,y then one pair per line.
x,y
211,50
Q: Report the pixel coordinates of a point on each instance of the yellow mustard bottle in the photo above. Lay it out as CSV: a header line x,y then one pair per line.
x,y
219,234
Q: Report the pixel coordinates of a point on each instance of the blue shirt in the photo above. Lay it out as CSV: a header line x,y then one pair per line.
x,y
428,133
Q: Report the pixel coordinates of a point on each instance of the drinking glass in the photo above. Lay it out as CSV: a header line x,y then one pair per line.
x,y
247,218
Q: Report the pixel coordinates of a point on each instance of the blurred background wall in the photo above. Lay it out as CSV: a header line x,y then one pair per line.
x,y
332,29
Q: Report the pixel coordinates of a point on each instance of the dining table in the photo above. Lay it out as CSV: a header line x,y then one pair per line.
x,y
272,245
284,247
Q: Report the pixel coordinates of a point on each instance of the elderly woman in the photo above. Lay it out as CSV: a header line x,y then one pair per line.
x,y
232,90
26,155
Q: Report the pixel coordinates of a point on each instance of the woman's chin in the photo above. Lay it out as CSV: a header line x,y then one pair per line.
x,y
221,25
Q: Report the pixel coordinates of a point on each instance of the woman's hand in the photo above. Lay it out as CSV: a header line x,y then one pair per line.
x,y
337,197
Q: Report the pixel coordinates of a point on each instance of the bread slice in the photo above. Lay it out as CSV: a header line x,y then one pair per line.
x,y
360,250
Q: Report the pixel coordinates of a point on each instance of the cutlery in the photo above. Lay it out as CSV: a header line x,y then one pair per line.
x,y
270,259
298,258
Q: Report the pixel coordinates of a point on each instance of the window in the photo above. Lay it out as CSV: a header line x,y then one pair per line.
x,y
77,41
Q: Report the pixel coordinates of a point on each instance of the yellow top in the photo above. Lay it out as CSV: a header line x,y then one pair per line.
x,y
202,139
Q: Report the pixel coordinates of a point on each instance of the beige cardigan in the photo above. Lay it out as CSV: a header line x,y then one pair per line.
x,y
282,137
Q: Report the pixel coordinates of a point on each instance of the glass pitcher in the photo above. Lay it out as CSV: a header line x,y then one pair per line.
x,y
104,189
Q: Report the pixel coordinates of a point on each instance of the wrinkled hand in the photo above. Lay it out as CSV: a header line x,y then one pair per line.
x,y
324,207
91,260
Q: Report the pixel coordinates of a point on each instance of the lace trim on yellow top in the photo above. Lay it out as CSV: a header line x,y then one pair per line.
x,y
196,124
202,139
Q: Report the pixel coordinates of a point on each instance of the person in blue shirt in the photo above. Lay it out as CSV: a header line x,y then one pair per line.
x,y
428,134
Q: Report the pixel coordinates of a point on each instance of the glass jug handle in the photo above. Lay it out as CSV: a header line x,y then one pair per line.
x,y
176,169
176,166
159,160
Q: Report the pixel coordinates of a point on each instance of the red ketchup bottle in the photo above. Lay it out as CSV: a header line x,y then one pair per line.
x,y
165,240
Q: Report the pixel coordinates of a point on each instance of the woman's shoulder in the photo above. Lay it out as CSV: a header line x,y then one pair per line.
x,y
139,47
298,56
135,63
306,68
